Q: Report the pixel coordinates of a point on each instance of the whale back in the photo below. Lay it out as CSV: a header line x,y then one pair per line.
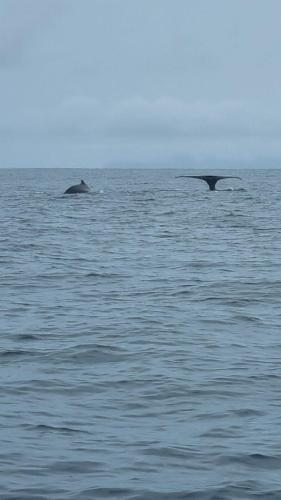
x,y
78,188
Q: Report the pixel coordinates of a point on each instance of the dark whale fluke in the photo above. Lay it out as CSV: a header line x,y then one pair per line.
x,y
78,188
210,179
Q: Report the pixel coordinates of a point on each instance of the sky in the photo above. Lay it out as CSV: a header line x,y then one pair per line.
x,y
140,83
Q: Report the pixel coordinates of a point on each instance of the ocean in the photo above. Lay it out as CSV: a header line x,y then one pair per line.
x,y
140,336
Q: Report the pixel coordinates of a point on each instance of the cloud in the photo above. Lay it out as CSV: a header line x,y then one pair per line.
x,y
20,24
170,117
165,118
163,131
157,81
147,119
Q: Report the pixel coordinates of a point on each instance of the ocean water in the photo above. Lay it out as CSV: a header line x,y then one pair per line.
x,y
140,336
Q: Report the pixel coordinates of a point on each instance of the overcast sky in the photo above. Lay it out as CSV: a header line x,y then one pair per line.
x,y
184,83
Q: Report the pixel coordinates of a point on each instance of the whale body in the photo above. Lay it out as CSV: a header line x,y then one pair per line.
x,y
78,188
210,179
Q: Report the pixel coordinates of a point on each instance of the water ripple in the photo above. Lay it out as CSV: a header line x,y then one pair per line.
x,y
140,338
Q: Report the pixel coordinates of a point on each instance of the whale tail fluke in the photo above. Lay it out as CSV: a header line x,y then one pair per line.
x,y
210,179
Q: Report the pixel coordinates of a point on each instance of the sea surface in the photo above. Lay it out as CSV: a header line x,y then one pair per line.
x,y
140,354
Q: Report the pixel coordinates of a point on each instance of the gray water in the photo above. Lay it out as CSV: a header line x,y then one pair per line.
x,y
140,336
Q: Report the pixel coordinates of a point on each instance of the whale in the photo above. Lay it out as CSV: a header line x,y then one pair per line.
x,y
78,188
210,179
